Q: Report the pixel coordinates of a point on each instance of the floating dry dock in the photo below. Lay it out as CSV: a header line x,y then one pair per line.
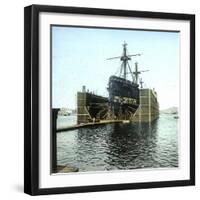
x,y
148,110
91,107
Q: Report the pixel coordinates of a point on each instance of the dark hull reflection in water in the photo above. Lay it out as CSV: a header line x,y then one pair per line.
x,y
121,146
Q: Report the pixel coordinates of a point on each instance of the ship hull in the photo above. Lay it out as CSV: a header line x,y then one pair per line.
x,y
123,97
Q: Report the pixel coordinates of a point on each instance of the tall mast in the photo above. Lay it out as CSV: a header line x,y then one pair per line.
x,y
136,72
141,83
125,58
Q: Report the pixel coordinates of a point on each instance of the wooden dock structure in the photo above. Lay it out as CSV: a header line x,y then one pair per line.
x,y
89,124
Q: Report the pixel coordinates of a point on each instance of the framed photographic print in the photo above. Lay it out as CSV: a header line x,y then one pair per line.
x,y
109,99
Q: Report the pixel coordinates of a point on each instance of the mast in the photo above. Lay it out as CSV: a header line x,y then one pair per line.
x,y
136,72
141,83
125,58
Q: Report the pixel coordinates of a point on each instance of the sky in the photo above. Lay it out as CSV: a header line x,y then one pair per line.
x,y
79,57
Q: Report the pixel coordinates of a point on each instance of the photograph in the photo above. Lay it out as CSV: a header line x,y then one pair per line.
x,y
115,99
109,99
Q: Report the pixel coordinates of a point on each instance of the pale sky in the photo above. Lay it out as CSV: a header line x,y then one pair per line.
x,y
79,58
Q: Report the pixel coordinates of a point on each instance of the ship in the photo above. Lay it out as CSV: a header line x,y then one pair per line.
x,y
124,97
127,99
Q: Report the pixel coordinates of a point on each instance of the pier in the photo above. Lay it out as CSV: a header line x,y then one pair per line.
x,y
89,124
54,115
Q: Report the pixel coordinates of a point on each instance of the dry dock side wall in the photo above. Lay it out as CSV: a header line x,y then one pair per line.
x,y
83,115
88,105
149,106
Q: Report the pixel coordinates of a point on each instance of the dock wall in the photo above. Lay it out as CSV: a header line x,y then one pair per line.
x,y
82,114
89,106
149,106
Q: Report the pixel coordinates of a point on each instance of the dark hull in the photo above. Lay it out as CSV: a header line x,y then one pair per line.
x,y
123,97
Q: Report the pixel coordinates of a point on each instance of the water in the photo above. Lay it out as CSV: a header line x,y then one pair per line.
x,y
119,146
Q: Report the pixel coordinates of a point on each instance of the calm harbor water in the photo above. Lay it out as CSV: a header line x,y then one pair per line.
x,y
119,146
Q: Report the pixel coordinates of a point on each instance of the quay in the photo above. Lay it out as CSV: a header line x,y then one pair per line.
x,y
89,124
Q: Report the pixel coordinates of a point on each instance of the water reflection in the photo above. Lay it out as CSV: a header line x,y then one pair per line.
x,y
130,145
121,146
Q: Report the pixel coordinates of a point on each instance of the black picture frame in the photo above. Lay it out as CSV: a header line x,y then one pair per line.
x,y
31,98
